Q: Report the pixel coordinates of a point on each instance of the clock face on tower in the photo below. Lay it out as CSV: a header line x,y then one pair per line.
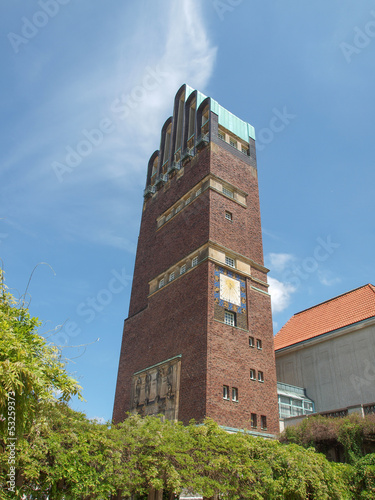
x,y
230,290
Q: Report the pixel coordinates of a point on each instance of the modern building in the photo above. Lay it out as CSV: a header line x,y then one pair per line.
x,y
329,349
293,401
198,339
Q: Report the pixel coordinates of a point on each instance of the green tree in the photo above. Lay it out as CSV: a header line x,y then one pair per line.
x,y
31,370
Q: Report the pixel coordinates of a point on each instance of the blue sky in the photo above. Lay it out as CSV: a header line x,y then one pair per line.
x,y
69,66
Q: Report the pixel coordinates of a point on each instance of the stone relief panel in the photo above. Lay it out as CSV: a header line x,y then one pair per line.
x,y
155,390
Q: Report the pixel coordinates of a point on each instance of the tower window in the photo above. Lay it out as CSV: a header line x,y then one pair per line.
x,y
226,392
251,341
183,269
260,376
263,422
178,209
161,283
168,216
188,200
254,420
171,276
244,150
221,136
228,215
228,192
234,394
230,262
233,143
230,318
194,262
259,344
252,374
198,192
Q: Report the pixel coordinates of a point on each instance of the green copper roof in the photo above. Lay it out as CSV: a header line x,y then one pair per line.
x,y
188,91
227,119
200,97
233,123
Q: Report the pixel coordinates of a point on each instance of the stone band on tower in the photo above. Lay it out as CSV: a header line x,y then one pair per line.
x,y
198,340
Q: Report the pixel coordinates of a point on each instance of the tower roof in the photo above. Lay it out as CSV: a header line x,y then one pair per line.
x,y
343,310
227,119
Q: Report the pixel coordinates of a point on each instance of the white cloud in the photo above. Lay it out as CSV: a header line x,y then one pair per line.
x,y
176,46
98,420
280,294
326,278
279,261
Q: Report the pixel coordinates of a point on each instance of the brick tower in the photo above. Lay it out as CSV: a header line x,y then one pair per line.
x,y
198,340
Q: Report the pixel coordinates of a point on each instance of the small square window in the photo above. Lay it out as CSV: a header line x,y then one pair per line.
x,y
228,192
233,143
244,150
252,374
260,377
194,262
198,192
228,215
226,392
221,136
263,422
178,209
259,344
234,394
168,216
171,276
183,269
251,341
161,283
230,318
230,262
188,200
254,420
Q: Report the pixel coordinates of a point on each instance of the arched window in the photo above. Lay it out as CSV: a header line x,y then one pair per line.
x,y
165,145
178,120
203,124
153,167
189,123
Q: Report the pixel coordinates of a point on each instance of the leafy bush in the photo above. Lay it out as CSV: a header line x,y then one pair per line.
x,y
355,435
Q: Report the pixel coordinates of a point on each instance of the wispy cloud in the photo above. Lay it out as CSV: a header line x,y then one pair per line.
x,y
80,98
280,294
326,278
278,262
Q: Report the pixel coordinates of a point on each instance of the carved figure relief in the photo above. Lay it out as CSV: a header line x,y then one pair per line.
x,y
155,390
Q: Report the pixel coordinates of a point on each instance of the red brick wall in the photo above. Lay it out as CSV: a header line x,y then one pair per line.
x,y
175,322
158,250
230,359
243,235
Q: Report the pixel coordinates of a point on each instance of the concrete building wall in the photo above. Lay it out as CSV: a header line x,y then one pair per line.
x,y
337,370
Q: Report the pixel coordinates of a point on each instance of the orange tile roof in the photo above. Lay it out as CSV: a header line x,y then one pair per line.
x,y
344,310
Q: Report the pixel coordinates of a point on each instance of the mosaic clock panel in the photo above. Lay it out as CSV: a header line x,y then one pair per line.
x,y
230,290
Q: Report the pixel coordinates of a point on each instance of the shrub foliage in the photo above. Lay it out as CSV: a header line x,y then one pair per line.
x,y
60,454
